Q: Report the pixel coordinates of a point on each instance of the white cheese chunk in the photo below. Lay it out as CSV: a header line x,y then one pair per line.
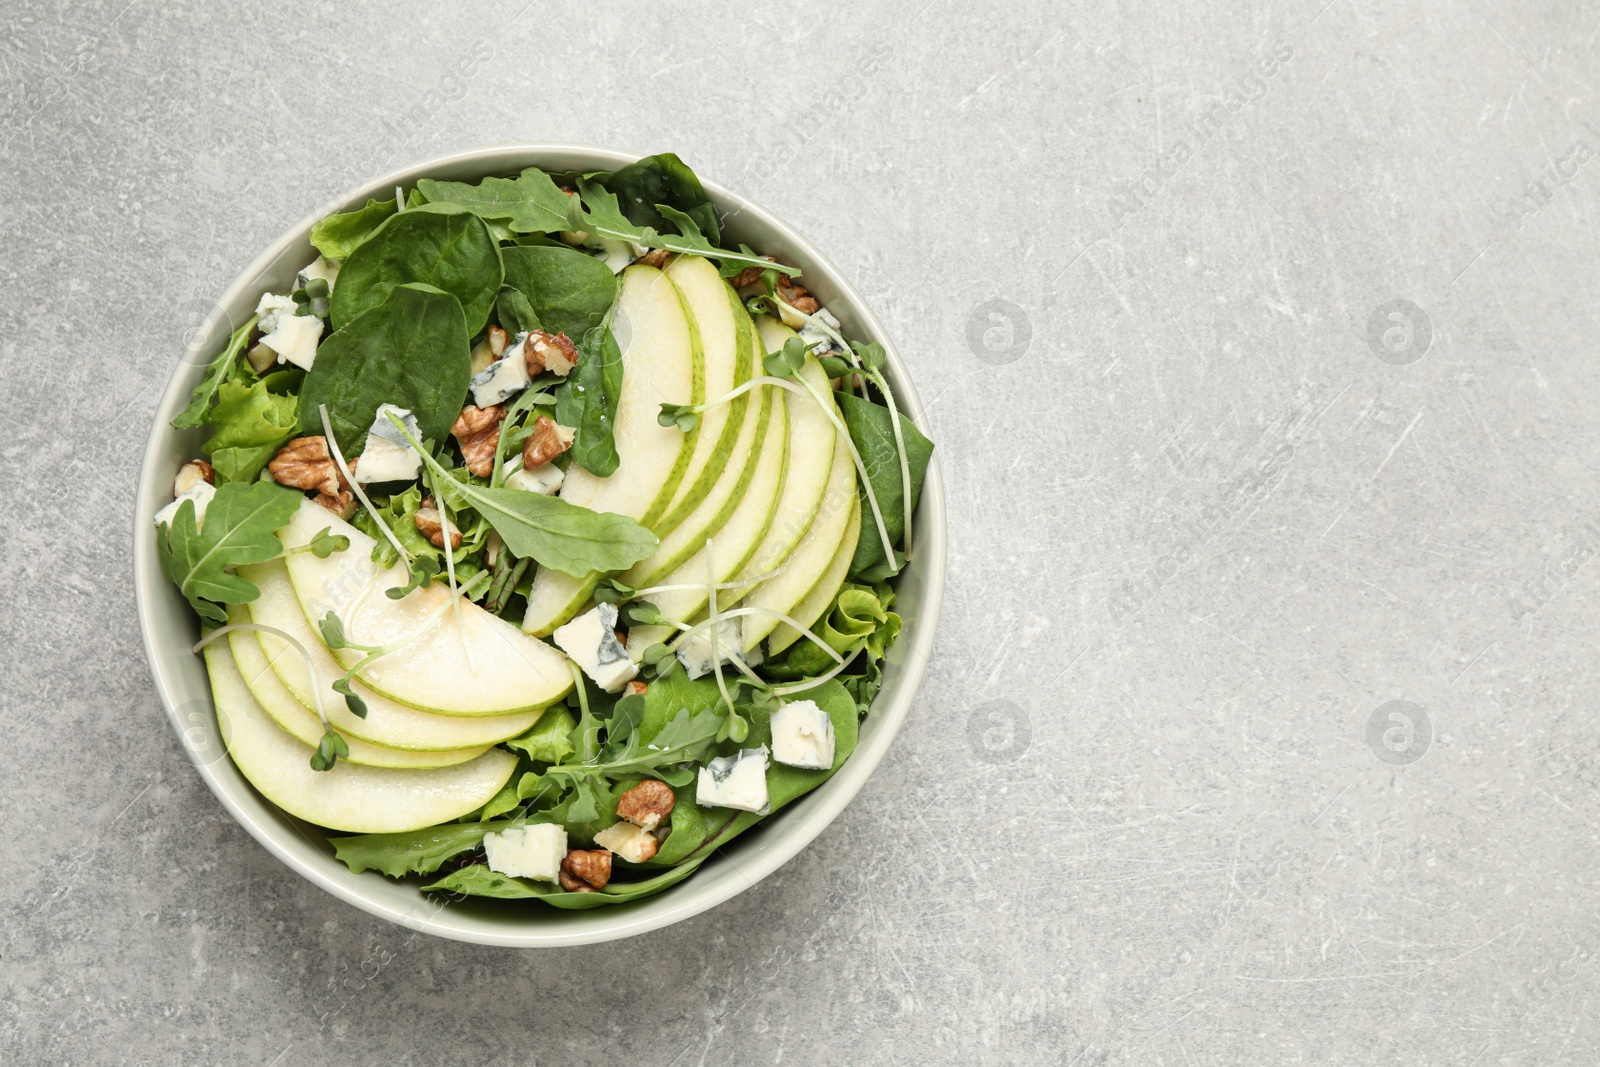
x,y
270,308
695,653
738,781
528,851
816,338
200,492
320,268
591,641
544,479
500,380
387,457
294,338
628,841
802,736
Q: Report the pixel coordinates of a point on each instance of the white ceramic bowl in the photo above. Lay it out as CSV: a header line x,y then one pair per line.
x,y
170,628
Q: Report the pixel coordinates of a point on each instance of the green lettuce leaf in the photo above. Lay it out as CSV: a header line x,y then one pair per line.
x,y
217,372
338,235
251,422
550,739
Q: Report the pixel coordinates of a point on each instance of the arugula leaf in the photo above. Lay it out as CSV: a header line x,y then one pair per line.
x,y
568,291
439,245
251,422
414,852
480,881
411,351
604,218
338,235
662,179
241,527
529,203
588,402
550,739
684,738
873,433
216,373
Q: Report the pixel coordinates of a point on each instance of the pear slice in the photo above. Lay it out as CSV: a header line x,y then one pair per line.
x,y
735,464
301,723
363,800
812,444
388,722
662,363
810,560
719,320
755,501
455,660
822,595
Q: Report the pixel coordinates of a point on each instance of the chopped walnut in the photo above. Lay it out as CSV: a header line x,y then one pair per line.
x,y
478,431
584,871
552,352
750,275
191,474
306,463
647,803
431,523
342,504
498,339
656,257
547,441
635,688
797,296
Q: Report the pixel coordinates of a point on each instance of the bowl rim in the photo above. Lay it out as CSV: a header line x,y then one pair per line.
x,y
802,823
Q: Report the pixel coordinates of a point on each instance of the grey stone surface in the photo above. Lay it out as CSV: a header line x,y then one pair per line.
x,y
1210,516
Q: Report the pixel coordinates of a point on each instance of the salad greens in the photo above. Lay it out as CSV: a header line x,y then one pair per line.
x,y
658,732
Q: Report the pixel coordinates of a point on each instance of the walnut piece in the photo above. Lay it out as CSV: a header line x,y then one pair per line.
x,y
584,871
342,504
478,432
552,352
656,257
647,803
306,463
498,340
797,296
547,441
635,688
750,275
191,474
431,523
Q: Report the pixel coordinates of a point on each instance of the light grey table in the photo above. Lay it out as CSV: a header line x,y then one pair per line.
x,y
1259,345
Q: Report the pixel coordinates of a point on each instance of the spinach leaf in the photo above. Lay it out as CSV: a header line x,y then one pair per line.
x,y
436,244
251,422
663,179
216,373
549,741
410,350
338,235
599,215
513,312
569,291
548,529
588,402
873,433
480,881
529,203
416,852
241,527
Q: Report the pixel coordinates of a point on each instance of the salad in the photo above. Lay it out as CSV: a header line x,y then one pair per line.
x,y
542,544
